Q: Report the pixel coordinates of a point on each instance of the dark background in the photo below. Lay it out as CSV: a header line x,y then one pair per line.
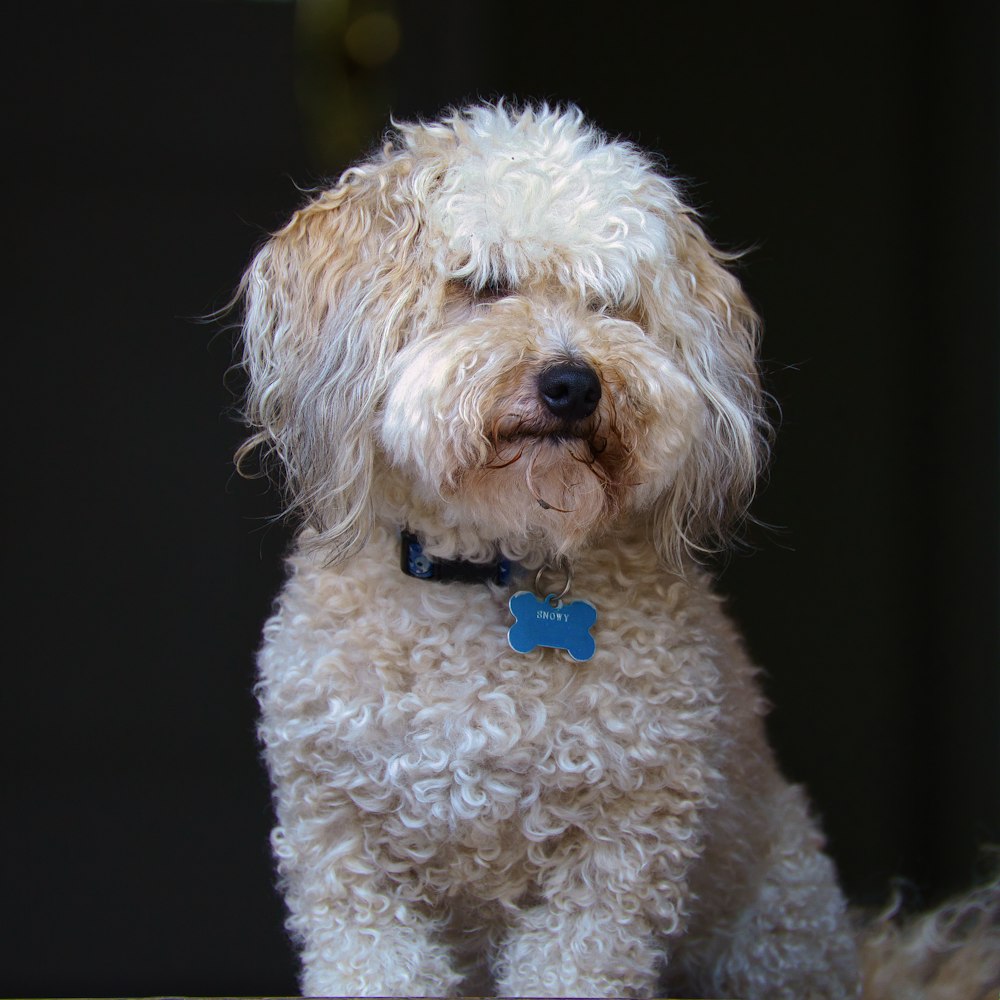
x,y
854,146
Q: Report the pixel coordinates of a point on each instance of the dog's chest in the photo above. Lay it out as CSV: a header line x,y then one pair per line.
x,y
466,771
480,734
406,699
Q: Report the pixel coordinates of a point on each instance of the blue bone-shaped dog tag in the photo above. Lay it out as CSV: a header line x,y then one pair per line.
x,y
545,621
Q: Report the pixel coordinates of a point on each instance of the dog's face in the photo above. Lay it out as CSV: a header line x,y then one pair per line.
x,y
520,321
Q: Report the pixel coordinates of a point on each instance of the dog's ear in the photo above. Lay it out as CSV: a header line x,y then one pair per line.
x,y
325,302
716,334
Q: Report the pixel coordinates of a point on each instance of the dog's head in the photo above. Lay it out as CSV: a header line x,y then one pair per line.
x,y
517,326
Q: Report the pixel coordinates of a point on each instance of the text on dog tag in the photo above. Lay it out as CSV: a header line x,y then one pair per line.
x,y
546,621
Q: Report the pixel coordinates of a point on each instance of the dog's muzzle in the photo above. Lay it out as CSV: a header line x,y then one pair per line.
x,y
570,391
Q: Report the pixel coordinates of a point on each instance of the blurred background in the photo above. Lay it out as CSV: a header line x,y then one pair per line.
x,y
853,147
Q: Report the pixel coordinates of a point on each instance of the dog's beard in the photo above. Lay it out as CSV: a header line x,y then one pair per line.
x,y
563,486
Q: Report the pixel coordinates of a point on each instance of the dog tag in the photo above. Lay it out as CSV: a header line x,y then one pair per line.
x,y
546,621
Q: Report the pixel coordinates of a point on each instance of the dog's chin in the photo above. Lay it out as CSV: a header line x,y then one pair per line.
x,y
552,487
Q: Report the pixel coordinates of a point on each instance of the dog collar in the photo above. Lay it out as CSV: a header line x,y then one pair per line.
x,y
537,621
416,563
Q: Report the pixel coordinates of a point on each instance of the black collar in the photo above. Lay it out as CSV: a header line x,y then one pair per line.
x,y
415,563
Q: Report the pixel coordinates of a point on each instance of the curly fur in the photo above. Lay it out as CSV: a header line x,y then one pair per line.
x,y
453,815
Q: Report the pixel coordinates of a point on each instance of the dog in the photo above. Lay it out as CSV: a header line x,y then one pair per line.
x,y
516,746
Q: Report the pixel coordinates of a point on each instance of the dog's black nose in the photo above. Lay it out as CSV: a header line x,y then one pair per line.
x,y
570,391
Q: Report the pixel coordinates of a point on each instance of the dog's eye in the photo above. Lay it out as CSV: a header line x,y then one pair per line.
x,y
498,289
489,292
607,307
617,309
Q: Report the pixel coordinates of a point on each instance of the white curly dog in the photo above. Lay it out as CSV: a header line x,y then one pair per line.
x,y
499,357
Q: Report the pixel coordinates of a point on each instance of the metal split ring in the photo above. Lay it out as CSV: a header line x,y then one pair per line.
x,y
566,568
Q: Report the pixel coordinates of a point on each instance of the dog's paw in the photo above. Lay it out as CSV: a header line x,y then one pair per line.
x,y
382,976
579,962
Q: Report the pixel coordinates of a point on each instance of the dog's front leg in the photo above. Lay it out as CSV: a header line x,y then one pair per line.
x,y
578,952
609,896
357,935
